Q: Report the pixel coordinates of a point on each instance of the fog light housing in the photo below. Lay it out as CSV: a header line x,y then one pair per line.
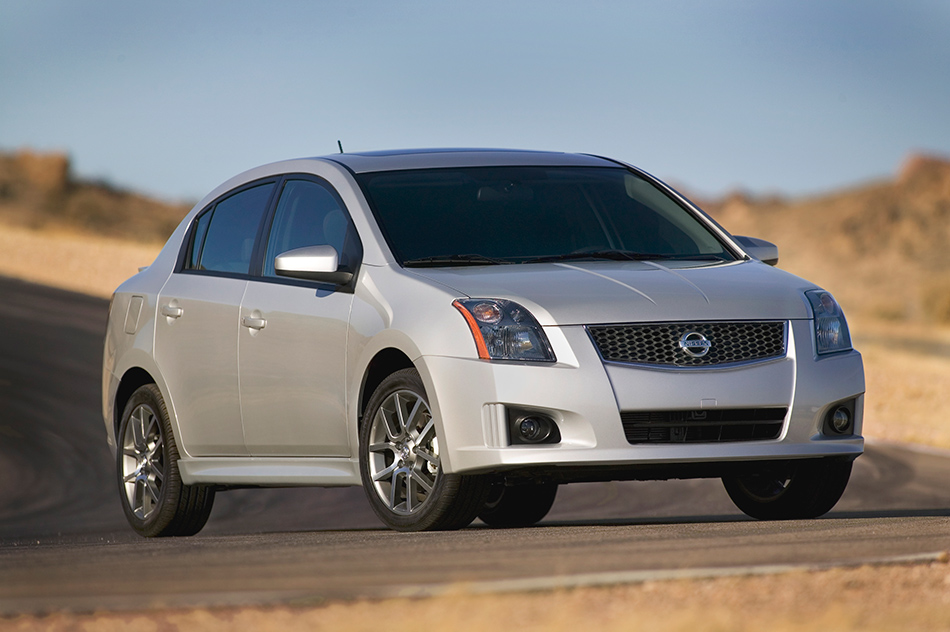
x,y
840,419
531,428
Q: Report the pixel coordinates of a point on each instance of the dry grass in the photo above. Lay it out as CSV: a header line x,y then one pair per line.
x,y
914,597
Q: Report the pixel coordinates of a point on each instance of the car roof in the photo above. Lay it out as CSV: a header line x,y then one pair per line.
x,y
402,159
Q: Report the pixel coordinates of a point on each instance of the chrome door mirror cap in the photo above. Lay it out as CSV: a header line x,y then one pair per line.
x,y
313,263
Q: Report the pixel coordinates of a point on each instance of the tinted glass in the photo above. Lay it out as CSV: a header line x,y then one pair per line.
x,y
234,224
201,229
307,215
517,214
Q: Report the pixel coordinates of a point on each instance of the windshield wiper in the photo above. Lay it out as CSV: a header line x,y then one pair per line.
x,y
453,260
610,255
620,255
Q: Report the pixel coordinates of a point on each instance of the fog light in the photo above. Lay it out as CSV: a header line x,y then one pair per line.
x,y
534,429
841,420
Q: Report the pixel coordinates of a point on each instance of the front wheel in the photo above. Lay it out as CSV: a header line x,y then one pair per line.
x,y
401,464
793,491
155,501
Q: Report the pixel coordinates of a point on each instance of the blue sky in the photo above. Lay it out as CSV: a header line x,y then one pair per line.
x,y
173,97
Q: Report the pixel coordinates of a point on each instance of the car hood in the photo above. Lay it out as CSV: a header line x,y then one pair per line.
x,y
583,293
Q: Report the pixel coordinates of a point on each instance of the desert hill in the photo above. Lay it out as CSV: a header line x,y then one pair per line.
x,y
38,191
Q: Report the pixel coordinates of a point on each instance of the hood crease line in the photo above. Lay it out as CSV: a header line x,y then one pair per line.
x,y
612,280
681,278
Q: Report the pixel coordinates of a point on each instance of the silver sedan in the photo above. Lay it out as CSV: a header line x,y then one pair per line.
x,y
462,331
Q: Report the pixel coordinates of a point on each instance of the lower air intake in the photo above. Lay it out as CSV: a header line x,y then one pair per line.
x,y
703,426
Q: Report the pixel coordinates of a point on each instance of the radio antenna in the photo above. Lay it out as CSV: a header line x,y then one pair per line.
x,y
340,145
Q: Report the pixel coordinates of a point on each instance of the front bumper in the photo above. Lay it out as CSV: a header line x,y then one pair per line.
x,y
585,396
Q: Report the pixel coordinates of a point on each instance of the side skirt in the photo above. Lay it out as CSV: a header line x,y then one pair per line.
x,y
270,471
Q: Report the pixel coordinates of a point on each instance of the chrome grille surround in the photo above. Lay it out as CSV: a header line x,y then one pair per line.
x,y
673,344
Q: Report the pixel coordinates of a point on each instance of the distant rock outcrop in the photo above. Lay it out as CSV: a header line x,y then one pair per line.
x,y
38,190
44,171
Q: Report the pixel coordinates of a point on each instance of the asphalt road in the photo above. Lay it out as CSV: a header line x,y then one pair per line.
x,y
64,542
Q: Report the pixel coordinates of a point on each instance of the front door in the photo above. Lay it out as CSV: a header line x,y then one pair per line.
x,y
292,348
293,333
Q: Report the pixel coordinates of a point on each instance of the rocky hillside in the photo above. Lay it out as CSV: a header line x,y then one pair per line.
x,y
38,190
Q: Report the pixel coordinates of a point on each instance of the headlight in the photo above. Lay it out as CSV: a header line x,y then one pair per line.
x,y
504,330
831,329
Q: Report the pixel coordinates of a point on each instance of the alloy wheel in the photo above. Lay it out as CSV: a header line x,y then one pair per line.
x,y
143,462
404,459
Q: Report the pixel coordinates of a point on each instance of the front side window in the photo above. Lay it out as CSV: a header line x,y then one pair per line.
x,y
479,215
308,214
225,236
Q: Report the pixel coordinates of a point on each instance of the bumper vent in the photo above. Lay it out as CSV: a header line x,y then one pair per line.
x,y
703,426
690,344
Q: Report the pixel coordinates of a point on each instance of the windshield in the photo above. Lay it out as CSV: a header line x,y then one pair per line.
x,y
508,215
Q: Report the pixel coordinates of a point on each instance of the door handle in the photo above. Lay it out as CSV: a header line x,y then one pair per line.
x,y
254,323
172,311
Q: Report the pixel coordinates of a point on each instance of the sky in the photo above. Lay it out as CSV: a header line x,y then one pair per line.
x,y
171,98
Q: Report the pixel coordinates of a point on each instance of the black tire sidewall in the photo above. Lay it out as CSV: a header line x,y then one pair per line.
x,y
813,489
160,519
519,505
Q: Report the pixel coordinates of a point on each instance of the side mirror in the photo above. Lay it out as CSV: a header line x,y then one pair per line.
x,y
764,251
312,263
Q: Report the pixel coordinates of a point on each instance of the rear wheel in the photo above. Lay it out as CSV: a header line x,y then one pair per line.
x,y
401,465
518,505
155,501
806,489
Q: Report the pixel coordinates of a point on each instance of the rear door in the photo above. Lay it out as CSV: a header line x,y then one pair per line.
x,y
196,334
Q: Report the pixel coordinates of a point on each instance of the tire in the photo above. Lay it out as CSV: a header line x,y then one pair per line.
x,y
806,489
518,505
400,464
154,500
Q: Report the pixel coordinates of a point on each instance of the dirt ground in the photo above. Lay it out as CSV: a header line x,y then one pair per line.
x,y
908,377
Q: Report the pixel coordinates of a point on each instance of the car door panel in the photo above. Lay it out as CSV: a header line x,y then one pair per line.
x,y
196,351
292,370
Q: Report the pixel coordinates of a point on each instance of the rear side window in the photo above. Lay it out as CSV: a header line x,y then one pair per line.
x,y
225,236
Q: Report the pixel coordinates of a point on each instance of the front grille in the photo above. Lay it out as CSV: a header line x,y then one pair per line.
x,y
706,344
703,426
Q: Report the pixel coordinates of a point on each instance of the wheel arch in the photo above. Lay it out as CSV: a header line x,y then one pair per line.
x,y
133,379
386,362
